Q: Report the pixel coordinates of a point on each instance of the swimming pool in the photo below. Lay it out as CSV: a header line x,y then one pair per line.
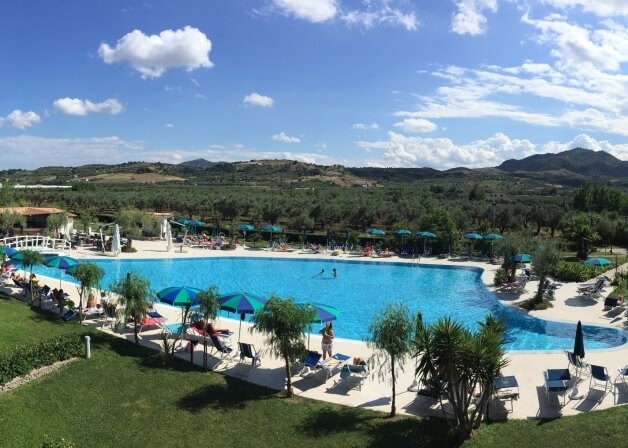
x,y
361,290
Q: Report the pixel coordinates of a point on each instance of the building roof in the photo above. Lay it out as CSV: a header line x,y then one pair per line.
x,y
34,211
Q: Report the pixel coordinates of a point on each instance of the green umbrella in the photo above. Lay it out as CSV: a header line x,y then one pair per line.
x,y
578,347
242,303
61,262
182,296
322,313
597,261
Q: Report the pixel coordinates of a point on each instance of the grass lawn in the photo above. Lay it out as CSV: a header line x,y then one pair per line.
x,y
124,397
21,324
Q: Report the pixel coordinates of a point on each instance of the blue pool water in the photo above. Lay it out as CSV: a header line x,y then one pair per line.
x,y
360,291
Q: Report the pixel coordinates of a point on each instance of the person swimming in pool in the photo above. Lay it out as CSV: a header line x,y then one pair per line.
x,y
334,273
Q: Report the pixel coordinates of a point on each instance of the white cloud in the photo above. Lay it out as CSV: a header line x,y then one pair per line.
x,y
604,8
169,125
76,106
469,17
365,126
371,13
313,11
153,55
282,137
443,153
414,125
20,120
256,99
380,13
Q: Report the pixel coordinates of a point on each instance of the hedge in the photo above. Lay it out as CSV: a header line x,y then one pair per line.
x,y
22,359
575,272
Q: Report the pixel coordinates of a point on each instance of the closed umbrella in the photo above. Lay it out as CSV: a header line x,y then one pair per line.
x,y
578,346
246,228
597,261
322,313
116,246
241,303
168,237
61,262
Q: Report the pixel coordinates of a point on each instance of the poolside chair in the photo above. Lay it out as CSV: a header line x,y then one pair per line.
x,y
247,351
334,363
174,330
311,360
353,376
221,347
599,284
622,374
599,375
578,365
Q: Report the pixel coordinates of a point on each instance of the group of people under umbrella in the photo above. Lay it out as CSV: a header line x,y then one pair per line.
x,y
241,303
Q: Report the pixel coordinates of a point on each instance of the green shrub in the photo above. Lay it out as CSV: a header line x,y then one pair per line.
x,y
574,272
22,359
501,276
53,442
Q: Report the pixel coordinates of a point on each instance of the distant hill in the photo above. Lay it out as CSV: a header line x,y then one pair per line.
x,y
578,163
569,168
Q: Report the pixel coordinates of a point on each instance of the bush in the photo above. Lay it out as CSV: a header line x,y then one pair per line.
x,y
22,359
128,249
501,276
574,272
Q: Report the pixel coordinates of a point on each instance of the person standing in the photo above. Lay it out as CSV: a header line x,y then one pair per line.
x,y
328,339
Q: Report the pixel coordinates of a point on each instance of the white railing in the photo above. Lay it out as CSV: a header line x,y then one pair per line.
x,y
40,243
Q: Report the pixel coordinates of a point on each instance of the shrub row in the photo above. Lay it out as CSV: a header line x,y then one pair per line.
x,y
22,359
574,272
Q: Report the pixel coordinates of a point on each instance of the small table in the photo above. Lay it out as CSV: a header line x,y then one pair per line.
x,y
557,380
506,388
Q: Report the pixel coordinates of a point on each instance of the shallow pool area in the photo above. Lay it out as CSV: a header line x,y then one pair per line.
x,y
361,290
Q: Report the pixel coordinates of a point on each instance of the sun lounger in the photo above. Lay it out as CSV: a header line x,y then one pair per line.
x,y
353,376
310,363
333,364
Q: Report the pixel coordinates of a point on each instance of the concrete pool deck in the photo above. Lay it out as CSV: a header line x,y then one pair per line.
x,y
528,367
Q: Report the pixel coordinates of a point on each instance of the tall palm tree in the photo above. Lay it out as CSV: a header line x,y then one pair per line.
x,y
285,325
134,293
89,276
390,334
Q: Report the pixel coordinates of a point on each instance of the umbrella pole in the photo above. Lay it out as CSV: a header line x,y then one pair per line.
x,y
239,330
308,336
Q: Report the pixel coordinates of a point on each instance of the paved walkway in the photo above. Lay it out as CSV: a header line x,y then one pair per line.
x,y
375,394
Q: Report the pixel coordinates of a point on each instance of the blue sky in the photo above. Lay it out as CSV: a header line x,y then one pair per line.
x,y
407,83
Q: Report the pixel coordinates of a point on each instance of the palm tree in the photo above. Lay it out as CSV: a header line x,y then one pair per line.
x,y
209,306
134,292
582,230
390,334
89,276
449,353
285,325
30,258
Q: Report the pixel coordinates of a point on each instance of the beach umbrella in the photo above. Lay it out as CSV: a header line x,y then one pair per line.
x,y
322,313
61,262
522,258
272,229
492,237
9,251
14,254
578,347
472,236
375,232
241,303
425,235
402,232
183,296
597,261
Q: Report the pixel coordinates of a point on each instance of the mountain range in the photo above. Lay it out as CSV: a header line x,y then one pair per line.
x,y
570,168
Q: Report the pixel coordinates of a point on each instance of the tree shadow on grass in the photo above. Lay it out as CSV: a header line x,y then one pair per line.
x,y
232,394
382,431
